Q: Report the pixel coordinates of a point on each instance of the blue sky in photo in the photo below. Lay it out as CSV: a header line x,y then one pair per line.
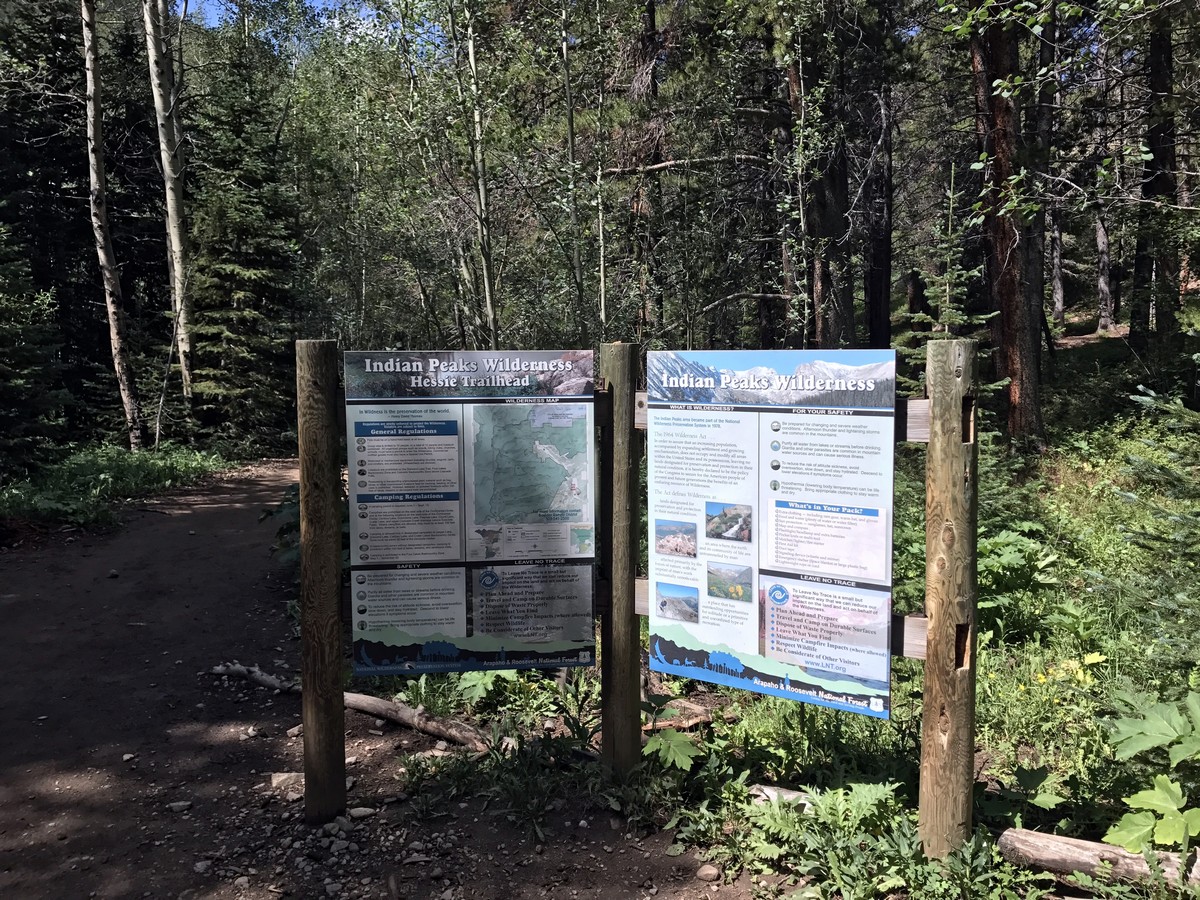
x,y
677,590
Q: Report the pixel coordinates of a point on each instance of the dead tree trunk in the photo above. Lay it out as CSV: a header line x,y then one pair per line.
x,y
1156,263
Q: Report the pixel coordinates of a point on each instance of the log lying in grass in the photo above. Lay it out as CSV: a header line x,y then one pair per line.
x,y
459,732
766,793
682,714
1065,856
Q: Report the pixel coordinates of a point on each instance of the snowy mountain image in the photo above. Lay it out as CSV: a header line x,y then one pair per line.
x,y
674,378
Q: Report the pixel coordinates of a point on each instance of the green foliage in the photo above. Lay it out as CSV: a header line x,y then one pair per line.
x,y
87,486
32,400
516,704
1013,566
474,687
245,254
857,842
1162,818
1161,725
673,749
1160,812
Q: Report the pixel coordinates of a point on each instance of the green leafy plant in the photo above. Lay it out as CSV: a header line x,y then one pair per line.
x,y
1161,817
578,707
475,687
857,842
1175,728
1160,813
673,749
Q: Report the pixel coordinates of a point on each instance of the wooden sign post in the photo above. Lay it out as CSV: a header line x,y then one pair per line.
x,y
620,632
948,714
320,581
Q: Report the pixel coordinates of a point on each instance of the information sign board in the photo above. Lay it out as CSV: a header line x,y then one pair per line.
x,y
771,496
472,509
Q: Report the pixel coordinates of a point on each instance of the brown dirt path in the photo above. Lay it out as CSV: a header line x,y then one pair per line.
x,y
106,717
128,771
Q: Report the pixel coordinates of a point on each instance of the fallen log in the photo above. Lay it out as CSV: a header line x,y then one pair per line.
x,y
255,675
766,793
402,714
1065,856
681,715
459,732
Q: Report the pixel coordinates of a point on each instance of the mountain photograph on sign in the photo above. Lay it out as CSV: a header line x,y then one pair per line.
x,y
731,582
673,538
677,601
687,377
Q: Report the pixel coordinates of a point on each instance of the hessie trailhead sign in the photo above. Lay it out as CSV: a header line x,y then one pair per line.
x,y
770,507
779,463
472,509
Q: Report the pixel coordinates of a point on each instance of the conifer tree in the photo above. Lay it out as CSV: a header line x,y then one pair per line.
x,y
31,400
244,251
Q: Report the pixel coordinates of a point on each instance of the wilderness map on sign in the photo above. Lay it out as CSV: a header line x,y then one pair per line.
x,y
531,463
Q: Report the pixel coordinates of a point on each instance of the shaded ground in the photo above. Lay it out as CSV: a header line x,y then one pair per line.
x,y
128,771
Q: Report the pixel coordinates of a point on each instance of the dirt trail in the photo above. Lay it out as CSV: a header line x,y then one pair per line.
x,y
128,771
106,715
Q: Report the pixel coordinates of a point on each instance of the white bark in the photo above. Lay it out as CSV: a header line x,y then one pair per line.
x,y
164,87
109,272
476,138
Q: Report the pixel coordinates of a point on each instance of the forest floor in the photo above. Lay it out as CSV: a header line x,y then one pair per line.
x,y
127,770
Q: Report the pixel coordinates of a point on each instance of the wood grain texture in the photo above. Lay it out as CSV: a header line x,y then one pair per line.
x,y
948,716
620,639
1065,856
320,581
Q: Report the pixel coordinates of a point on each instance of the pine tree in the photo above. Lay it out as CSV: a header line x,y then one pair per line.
x,y
32,402
245,251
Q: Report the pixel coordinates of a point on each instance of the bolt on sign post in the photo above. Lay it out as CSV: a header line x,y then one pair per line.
x,y
948,715
320,581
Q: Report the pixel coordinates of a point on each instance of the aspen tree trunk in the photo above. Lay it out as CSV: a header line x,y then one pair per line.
x,y
110,275
1104,297
1056,267
877,278
483,219
1105,307
879,193
646,202
164,87
1043,142
572,193
602,277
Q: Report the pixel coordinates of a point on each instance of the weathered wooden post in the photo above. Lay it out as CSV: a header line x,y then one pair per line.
x,y
620,634
320,581
948,716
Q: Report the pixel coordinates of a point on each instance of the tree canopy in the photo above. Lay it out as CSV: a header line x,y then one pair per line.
x,y
466,174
